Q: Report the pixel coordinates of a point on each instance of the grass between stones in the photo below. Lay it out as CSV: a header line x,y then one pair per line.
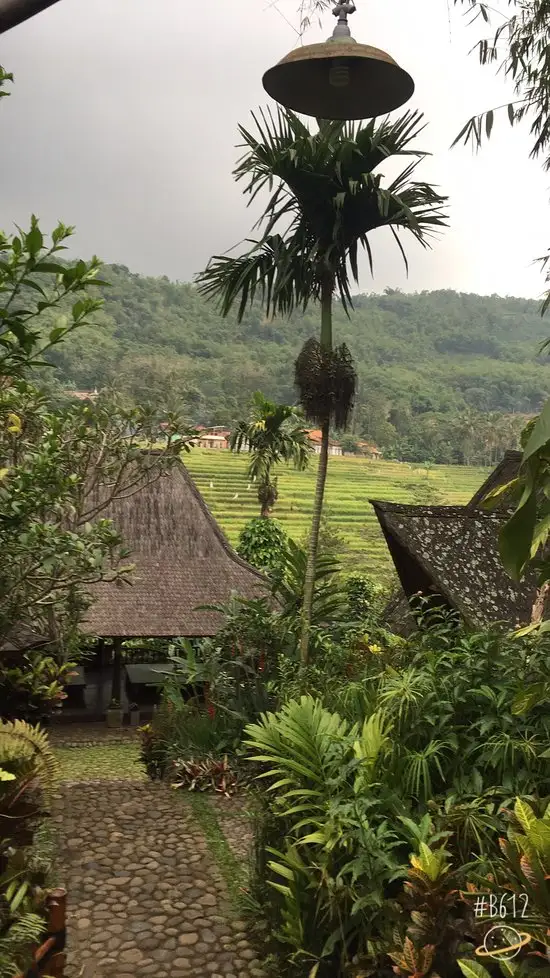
x,y
120,761
100,762
232,870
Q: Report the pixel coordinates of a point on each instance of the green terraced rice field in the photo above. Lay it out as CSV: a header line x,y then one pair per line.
x,y
221,476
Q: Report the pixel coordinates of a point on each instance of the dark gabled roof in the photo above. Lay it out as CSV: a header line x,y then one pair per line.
x,y
453,551
506,470
21,638
182,560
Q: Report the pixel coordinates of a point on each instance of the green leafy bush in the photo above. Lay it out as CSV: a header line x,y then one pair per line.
x,y
32,685
262,542
337,854
153,750
434,735
205,703
362,593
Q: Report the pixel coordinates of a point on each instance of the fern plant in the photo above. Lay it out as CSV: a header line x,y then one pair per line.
x,y
27,748
25,753
28,771
15,942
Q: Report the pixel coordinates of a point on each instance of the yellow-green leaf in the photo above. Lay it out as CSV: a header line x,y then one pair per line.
x,y
540,434
472,969
524,814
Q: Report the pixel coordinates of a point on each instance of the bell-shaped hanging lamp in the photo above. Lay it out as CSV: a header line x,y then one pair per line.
x,y
339,79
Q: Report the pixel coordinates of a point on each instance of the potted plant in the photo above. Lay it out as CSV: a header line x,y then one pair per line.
x,y
114,714
134,715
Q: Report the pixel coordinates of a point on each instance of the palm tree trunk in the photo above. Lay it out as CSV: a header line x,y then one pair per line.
x,y
264,503
264,511
309,582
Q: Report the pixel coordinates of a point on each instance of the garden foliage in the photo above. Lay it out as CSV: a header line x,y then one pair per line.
x,y
262,543
27,775
386,774
423,754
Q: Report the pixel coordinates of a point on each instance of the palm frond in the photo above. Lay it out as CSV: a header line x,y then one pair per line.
x,y
302,742
273,269
325,196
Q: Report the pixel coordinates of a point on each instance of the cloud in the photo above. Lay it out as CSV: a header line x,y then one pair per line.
x,y
123,120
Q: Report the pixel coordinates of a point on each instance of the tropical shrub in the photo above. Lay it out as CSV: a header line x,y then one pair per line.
x,y
219,685
153,750
436,923
236,666
428,747
362,593
329,609
441,933
204,774
27,775
337,854
32,685
203,706
523,870
262,542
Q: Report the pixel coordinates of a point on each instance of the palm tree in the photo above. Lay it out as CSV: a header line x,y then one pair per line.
x,y
274,434
467,427
327,197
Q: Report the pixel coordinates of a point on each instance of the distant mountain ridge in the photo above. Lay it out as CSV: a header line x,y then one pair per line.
x,y
437,353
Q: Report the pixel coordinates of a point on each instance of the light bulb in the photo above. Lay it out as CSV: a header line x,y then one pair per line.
x,y
338,75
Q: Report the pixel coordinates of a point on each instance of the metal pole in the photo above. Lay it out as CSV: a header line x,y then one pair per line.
x,y
14,12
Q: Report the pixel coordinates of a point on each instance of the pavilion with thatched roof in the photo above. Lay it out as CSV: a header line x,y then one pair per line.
x,y
180,561
450,554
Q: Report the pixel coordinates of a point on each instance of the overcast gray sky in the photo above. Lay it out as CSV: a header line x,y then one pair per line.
x,y
123,121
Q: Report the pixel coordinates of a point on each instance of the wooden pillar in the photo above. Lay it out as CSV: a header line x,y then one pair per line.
x,y
101,653
116,690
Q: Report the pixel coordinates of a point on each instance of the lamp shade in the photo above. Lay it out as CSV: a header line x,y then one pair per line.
x,y
14,12
339,79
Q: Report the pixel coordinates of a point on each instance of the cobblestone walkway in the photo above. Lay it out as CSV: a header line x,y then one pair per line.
x,y
145,895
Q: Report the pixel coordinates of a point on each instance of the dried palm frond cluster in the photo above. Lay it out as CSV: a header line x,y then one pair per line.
x,y
268,494
326,382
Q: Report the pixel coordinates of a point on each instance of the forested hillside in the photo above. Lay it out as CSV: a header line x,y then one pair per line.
x,y
438,371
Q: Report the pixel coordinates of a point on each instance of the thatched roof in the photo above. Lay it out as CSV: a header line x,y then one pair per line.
x,y
21,638
182,560
506,470
452,551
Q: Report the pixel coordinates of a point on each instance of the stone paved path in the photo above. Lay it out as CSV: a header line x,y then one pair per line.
x,y
69,735
145,896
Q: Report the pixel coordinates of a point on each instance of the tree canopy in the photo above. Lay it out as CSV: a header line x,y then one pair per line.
x,y
423,360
